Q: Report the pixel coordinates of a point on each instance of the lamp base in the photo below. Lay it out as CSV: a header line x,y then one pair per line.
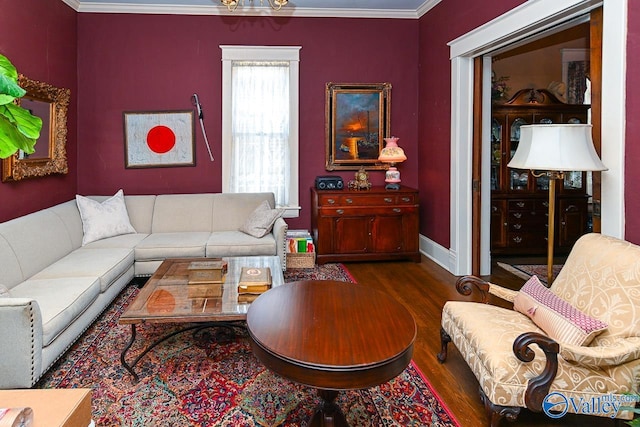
x,y
392,186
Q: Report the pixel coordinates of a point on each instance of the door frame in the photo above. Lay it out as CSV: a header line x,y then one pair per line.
x,y
501,32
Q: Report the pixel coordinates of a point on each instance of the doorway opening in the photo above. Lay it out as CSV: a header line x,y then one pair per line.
x,y
545,81
520,24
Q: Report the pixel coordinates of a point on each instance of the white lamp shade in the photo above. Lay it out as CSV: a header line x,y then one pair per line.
x,y
556,147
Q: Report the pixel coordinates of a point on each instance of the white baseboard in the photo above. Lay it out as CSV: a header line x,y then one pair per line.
x,y
437,253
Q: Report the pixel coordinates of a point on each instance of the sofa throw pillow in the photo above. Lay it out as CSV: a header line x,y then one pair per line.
x,y
261,220
101,220
559,319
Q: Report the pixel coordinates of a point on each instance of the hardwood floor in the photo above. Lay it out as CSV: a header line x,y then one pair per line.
x,y
424,288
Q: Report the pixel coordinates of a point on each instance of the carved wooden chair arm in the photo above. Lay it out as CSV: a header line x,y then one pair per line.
x,y
467,285
539,386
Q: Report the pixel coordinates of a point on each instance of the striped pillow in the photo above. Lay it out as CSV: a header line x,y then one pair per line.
x,y
559,319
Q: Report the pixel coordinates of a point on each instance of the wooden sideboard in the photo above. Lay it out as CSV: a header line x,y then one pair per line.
x,y
365,225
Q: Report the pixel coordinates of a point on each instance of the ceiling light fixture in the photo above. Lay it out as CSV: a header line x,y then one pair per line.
x,y
233,4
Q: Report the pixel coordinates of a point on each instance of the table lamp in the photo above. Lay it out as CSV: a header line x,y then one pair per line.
x,y
553,150
392,154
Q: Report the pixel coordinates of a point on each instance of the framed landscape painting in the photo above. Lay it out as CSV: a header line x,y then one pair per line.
x,y
357,121
159,139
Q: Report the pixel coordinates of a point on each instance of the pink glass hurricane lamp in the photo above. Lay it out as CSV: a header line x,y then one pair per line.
x,y
392,154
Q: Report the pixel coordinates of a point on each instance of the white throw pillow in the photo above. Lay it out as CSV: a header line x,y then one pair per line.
x,y
261,220
102,220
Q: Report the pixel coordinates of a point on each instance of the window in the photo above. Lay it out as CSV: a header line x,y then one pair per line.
x,y
260,122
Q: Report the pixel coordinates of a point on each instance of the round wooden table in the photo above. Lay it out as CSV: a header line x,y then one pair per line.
x,y
332,336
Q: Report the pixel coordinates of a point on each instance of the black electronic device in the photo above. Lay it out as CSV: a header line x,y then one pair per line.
x,y
329,183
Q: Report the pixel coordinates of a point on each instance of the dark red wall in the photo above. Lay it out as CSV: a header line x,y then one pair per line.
x,y
444,23
156,62
632,137
39,38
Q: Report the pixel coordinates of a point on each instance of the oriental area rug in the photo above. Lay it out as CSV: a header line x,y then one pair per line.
x,y
527,270
188,382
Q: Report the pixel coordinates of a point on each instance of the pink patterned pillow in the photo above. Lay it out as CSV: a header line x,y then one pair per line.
x,y
559,319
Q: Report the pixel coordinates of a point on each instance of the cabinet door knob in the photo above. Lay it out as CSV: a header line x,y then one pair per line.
x,y
520,204
406,199
331,201
517,226
340,211
517,239
517,214
349,201
397,210
388,199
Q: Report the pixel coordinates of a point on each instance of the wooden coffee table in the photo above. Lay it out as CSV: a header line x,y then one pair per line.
x,y
168,298
332,336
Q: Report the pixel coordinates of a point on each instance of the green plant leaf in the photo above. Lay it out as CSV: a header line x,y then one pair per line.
x,y
9,89
28,124
7,69
11,139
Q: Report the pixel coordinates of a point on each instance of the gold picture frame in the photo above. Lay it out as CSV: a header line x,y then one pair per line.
x,y
357,121
50,157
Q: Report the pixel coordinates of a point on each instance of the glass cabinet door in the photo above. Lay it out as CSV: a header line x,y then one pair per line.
x,y
573,181
496,154
518,179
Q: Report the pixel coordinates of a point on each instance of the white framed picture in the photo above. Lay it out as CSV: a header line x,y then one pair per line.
x,y
159,139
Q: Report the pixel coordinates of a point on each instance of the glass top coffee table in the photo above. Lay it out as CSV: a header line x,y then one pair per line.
x,y
168,298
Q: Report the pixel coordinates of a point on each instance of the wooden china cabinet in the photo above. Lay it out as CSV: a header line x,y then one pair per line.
x,y
365,225
520,201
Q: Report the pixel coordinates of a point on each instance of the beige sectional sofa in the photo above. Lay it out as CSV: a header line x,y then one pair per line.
x,y
57,287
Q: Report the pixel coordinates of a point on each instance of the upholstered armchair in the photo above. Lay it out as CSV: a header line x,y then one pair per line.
x,y
574,347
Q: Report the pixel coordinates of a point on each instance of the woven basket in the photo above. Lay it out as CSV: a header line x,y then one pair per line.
x,y
301,260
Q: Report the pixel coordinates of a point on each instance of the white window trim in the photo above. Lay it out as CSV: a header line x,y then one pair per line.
x,y
263,53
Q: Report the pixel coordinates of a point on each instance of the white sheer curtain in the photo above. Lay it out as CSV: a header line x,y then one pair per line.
x,y
260,128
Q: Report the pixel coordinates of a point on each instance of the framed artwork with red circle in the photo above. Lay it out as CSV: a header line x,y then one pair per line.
x,y
159,139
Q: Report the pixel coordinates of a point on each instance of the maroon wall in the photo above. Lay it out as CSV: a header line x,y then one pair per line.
x,y
156,62
632,137
39,37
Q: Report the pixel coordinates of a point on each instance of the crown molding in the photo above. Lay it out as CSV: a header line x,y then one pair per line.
x,y
73,4
289,11
426,7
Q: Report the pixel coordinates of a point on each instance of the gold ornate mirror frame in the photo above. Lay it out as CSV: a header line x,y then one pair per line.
x,y
53,134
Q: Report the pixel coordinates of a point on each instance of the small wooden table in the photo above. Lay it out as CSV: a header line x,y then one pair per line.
x,y
60,407
332,336
168,298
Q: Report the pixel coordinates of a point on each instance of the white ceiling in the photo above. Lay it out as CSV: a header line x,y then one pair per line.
x,y
400,9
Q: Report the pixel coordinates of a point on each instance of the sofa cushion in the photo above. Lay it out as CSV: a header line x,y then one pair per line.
x,y
175,213
61,301
11,274
107,264
236,243
35,241
106,219
559,319
261,220
128,241
172,245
